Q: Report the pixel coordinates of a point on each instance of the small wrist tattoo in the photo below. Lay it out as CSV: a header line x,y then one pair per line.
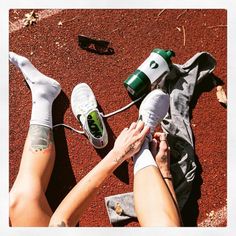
x,y
164,158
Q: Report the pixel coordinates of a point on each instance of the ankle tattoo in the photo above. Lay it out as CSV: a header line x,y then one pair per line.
x,y
40,137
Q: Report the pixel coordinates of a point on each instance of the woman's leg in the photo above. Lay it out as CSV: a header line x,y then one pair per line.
x,y
28,204
153,202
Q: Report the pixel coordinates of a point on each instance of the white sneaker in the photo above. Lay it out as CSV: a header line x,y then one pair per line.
x,y
154,108
84,107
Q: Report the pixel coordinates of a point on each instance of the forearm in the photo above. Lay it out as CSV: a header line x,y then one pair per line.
x,y
73,205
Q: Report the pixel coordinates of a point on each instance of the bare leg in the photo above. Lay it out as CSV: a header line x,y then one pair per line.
x,y
154,197
153,202
28,204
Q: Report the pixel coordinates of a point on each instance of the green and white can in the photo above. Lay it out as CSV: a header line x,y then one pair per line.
x,y
151,72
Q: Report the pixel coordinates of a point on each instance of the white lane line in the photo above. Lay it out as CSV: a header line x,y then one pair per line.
x,y
214,219
17,25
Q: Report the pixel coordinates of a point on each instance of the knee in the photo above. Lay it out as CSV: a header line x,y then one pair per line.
x,y
12,201
19,199
16,203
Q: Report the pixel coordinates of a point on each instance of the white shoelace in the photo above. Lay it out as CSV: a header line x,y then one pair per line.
x,y
103,115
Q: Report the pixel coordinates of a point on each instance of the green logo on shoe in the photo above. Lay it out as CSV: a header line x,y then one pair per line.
x,y
95,124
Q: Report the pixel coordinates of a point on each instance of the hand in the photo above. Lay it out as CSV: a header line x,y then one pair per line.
x,y
162,156
130,140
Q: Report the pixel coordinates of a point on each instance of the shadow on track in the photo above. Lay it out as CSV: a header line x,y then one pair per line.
x,y
62,179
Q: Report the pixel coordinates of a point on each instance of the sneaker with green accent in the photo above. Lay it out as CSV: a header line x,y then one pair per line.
x,y
84,107
154,108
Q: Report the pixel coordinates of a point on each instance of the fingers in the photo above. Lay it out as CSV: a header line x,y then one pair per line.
x,y
163,145
140,126
153,147
160,136
144,132
133,125
138,129
124,130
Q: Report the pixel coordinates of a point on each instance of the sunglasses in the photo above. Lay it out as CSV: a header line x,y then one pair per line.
x,y
95,45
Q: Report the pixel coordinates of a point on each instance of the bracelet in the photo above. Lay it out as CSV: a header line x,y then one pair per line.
x,y
168,177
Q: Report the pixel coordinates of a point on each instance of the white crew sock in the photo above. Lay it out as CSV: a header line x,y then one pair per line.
x,y
144,157
44,90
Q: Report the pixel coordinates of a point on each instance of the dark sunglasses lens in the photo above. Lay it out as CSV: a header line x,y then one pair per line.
x,y
101,46
84,42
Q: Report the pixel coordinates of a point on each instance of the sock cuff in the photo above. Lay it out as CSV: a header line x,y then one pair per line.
x,y
143,159
43,123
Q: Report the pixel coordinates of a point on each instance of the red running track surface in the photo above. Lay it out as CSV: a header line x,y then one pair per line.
x,y
53,49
